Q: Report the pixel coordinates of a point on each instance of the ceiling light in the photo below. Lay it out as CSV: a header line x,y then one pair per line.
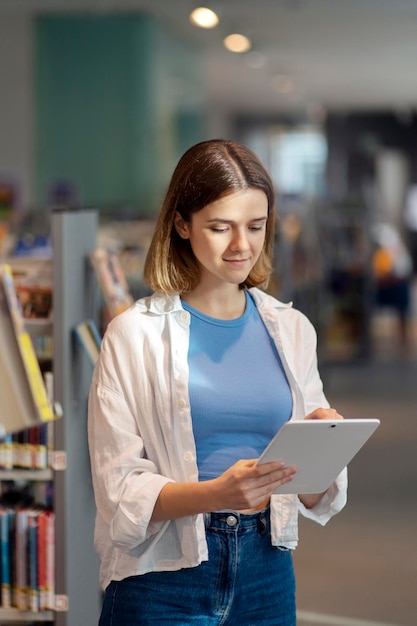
x,y
237,43
204,18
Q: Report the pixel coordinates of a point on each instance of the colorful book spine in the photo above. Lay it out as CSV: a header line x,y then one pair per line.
x,y
50,561
42,560
27,449
21,560
6,583
41,452
33,559
6,452
27,559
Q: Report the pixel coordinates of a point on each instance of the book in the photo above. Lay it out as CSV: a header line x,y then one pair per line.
x,y
6,581
27,561
24,398
111,280
49,430
32,548
6,452
42,583
21,560
89,338
50,561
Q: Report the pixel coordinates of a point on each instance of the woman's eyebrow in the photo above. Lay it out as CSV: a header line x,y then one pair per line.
x,y
222,220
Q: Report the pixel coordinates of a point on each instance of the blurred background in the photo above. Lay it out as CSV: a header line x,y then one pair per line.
x,y
99,99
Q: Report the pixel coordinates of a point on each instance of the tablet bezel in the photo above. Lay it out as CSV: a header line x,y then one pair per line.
x,y
320,449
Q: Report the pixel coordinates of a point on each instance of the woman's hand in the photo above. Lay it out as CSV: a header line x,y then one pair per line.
x,y
324,414
246,485
311,499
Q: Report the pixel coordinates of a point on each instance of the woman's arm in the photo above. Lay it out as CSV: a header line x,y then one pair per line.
x,y
243,486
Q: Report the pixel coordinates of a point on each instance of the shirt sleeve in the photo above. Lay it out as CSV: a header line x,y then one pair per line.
x,y
126,483
314,396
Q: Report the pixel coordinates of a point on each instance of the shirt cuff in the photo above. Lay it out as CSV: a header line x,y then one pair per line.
x,y
132,525
330,504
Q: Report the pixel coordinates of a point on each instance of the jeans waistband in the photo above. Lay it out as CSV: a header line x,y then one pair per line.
x,y
232,521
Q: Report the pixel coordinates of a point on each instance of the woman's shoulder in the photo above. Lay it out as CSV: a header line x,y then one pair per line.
x,y
266,301
140,327
271,306
149,311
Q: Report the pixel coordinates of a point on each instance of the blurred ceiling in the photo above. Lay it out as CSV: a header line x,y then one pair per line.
x,y
308,55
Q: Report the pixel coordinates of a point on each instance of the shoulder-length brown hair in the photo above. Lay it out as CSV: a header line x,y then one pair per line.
x,y
207,172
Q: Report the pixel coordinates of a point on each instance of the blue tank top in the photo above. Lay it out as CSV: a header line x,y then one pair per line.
x,y
239,393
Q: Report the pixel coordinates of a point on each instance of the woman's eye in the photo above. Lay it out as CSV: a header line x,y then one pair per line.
x,y
256,228
219,229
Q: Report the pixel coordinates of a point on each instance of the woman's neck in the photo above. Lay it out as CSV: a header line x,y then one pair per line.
x,y
223,304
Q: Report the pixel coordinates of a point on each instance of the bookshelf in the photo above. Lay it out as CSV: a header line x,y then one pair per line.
x,y
75,298
46,474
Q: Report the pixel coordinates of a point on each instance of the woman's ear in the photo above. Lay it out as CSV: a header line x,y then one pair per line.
x,y
181,226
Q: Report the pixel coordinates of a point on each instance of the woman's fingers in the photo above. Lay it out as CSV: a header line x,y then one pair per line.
x,y
245,484
324,414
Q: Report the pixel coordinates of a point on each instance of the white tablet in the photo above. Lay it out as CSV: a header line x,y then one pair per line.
x,y
320,449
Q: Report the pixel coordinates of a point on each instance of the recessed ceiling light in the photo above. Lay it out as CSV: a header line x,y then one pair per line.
x,y
204,17
237,43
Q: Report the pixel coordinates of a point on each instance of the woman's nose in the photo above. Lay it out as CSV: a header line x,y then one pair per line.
x,y
239,241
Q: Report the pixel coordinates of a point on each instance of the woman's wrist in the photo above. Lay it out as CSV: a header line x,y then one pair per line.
x,y
177,500
311,499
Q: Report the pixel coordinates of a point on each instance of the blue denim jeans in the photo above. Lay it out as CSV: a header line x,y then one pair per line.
x,y
245,582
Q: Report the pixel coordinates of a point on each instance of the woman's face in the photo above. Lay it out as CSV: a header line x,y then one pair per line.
x,y
227,236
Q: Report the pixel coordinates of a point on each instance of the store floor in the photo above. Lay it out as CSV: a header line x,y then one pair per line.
x,y
361,569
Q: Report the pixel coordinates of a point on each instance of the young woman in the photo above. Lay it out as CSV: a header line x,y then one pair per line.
x,y
191,385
